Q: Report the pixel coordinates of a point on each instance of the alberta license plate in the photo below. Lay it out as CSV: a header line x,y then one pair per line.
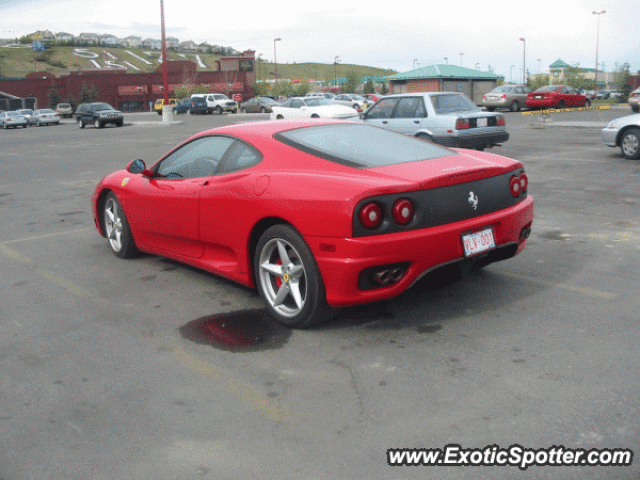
x,y
482,122
478,242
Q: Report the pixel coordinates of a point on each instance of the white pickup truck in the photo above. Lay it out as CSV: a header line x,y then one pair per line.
x,y
218,102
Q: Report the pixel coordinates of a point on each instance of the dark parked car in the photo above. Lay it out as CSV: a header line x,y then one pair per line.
x,y
258,105
191,105
99,114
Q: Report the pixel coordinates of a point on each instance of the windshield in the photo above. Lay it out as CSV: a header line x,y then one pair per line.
x,y
317,101
503,89
548,88
444,104
46,110
102,106
361,146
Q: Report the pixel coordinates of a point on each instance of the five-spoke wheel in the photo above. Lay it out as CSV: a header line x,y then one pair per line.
x,y
630,144
117,228
288,279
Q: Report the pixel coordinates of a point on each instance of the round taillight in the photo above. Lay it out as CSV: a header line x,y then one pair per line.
x,y
514,186
370,215
524,182
402,211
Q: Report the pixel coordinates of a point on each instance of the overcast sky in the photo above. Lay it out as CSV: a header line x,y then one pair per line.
x,y
395,34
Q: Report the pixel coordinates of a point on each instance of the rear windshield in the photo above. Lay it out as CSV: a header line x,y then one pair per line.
x,y
444,104
361,146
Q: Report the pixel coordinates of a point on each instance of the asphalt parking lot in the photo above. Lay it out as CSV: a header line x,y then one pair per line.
x,y
149,369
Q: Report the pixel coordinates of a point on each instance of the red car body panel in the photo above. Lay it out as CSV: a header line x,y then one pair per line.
x,y
209,222
552,99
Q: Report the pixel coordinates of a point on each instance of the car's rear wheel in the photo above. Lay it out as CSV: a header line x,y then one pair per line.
x,y
288,278
263,110
117,228
490,109
635,109
515,106
279,117
630,144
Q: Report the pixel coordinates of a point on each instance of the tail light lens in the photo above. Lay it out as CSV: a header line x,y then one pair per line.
x,y
504,95
518,185
500,121
462,124
402,211
370,215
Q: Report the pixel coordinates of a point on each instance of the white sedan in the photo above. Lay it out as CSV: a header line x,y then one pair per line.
x,y
45,116
311,107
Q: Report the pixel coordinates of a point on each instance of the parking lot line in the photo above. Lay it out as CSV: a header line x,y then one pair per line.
x,y
38,237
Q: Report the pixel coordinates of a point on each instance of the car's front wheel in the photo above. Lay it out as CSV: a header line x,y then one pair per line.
x,y
587,104
288,278
515,106
560,104
630,144
97,123
80,123
117,228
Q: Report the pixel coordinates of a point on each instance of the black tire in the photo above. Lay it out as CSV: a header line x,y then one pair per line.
x,y
587,103
515,106
189,111
116,228
630,144
490,109
424,136
560,104
635,109
244,110
218,110
263,110
159,112
279,117
119,123
315,115
97,124
288,279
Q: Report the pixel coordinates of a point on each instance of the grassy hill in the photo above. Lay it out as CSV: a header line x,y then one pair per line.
x,y
18,62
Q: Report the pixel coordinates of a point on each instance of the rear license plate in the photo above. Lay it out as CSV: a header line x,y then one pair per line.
x,y
537,96
481,122
478,242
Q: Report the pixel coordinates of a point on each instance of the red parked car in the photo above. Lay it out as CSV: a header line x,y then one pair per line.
x,y
317,214
556,96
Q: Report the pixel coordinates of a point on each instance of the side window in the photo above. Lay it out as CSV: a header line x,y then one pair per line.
x,y
297,104
382,109
239,157
410,108
199,158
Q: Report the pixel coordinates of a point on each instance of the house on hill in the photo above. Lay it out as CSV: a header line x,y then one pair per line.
x,y
88,38
445,78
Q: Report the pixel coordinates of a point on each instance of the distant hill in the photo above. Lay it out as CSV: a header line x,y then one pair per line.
x,y
19,61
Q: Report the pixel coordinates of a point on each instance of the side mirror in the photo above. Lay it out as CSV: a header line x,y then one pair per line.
x,y
138,166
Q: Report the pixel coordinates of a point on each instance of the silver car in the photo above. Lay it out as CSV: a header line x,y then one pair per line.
x,y
513,97
28,114
624,132
634,100
450,119
13,119
46,116
352,100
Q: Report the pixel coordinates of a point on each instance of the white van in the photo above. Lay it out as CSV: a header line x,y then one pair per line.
x,y
218,102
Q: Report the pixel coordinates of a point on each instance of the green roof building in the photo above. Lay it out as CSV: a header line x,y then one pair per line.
x,y
445,78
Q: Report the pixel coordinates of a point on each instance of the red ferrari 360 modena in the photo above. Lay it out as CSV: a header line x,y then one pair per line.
x,y
317,214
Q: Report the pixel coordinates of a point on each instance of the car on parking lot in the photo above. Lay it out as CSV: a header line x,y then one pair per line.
x,y
99,114
634,100
159,103
46,116
312,107
65,110
13,119
191,105
372,97
624,132
450,119
218,102
317,214
513,97
28,114
556,96
258,105
356,102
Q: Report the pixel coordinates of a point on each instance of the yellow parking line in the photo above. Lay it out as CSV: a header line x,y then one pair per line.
x,y
48,235
583,291
565,110
11,253
247,394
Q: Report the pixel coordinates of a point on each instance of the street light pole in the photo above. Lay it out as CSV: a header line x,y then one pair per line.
x,y
335,72
275,62
511,73
597,41
165,77
461,54
524,61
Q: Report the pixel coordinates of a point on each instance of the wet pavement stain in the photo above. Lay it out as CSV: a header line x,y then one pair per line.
x,y
240,331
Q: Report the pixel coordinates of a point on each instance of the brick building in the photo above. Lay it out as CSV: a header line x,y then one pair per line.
x,y
132,92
